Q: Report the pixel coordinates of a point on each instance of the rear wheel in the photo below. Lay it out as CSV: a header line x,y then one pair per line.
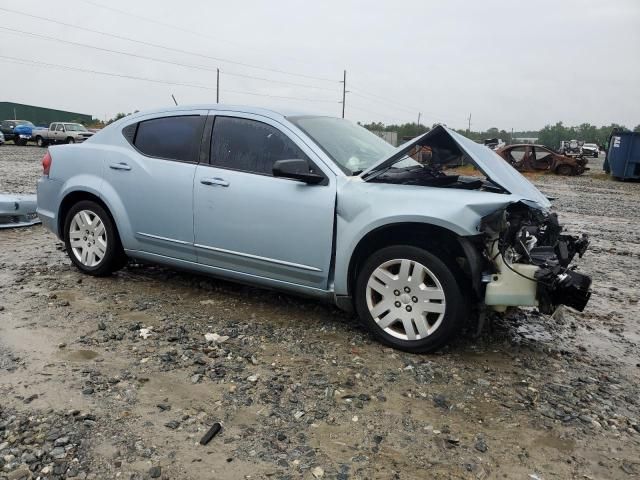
x,y
409,299
70,140
91,239
564,170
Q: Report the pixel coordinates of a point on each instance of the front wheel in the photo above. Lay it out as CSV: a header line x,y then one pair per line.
x,y
40,142
91,240
71,140
409,299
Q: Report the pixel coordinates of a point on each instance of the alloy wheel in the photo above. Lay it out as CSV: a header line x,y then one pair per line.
x,y
88,238
405,299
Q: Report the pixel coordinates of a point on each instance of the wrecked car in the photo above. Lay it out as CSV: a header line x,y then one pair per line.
x,y
17,210
315,206
535,158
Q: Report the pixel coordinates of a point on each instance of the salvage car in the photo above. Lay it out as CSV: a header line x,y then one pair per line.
x,y
316,206
2,140
62,132
534,158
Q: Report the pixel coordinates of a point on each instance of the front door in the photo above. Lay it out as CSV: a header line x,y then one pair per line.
x,y
250,222
153,181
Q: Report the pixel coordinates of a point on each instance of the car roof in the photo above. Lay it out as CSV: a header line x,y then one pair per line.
x,y
222,106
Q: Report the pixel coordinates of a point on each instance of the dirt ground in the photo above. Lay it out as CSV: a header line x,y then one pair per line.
x,y
300,389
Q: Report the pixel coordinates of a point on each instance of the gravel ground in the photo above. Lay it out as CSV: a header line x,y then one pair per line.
x,y
300,389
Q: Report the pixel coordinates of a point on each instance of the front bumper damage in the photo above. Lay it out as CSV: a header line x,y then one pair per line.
x,y
17,210
528,261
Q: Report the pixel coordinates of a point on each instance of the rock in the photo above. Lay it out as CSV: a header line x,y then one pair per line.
x,y
61,442
253,378
58,453
20,473
441,401
172,424
215,338
102,325
155,472
196,378
317,472
298,415
87,390
481,445
145,332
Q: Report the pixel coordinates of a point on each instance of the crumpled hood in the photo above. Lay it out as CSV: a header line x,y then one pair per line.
x,y
486,160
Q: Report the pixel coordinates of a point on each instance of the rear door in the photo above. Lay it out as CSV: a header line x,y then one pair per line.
x,y
154,182
250,222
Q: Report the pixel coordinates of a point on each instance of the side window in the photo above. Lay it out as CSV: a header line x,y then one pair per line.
x,y
171,138
542,154
517,153
60,128
250,146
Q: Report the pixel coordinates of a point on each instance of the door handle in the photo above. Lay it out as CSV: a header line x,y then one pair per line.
x,y
214,181
119,166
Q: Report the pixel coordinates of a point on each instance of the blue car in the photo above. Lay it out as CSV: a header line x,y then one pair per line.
x,y
20,131
316,206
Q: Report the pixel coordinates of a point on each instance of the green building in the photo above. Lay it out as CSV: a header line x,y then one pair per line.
x,y
40,116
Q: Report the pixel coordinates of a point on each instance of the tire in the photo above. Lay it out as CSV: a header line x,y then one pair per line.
x,y
17,141
411,330
41,142
70,140
565,170
93,263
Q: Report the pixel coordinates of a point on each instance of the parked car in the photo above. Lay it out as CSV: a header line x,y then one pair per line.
x,y
590,149
62,132
2,140
17,130
316,206
531,158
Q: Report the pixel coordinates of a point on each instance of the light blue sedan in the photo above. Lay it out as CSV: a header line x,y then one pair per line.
x,y
316,206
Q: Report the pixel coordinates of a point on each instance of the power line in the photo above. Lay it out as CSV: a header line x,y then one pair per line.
x,y
161,60
173,49
146,79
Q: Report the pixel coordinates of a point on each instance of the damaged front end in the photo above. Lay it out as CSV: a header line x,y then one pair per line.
x,y
529,259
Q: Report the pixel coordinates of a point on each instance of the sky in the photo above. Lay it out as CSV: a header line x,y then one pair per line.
x,y
506,63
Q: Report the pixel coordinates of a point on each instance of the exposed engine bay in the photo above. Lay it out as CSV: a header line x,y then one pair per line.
x,y
528,242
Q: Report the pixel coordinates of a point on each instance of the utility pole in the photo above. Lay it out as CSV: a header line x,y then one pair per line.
x,y
344,91
469,129
419,113
15,117
174,99
217,85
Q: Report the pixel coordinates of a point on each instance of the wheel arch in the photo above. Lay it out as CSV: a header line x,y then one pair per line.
x,y
459,251
74,197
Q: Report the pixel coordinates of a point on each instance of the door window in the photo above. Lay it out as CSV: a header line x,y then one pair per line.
x,y
518,153
542,155
171,138
60,128
250,146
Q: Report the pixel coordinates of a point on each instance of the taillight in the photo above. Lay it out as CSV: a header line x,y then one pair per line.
x,y
46,163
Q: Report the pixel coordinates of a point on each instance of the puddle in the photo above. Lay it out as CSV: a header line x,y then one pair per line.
x,y
79,355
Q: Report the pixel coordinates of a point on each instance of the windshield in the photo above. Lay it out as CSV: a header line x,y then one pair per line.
x,y
74,127
351,146
24,122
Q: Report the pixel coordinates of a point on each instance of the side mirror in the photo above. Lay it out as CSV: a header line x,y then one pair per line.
x,y
297,169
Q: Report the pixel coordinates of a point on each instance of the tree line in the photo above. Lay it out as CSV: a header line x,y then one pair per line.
x,y
550,135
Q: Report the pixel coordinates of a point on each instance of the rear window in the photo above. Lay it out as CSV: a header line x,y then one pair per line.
x,y
171,138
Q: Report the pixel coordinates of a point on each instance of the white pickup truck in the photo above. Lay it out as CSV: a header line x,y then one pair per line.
x,y
61,132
